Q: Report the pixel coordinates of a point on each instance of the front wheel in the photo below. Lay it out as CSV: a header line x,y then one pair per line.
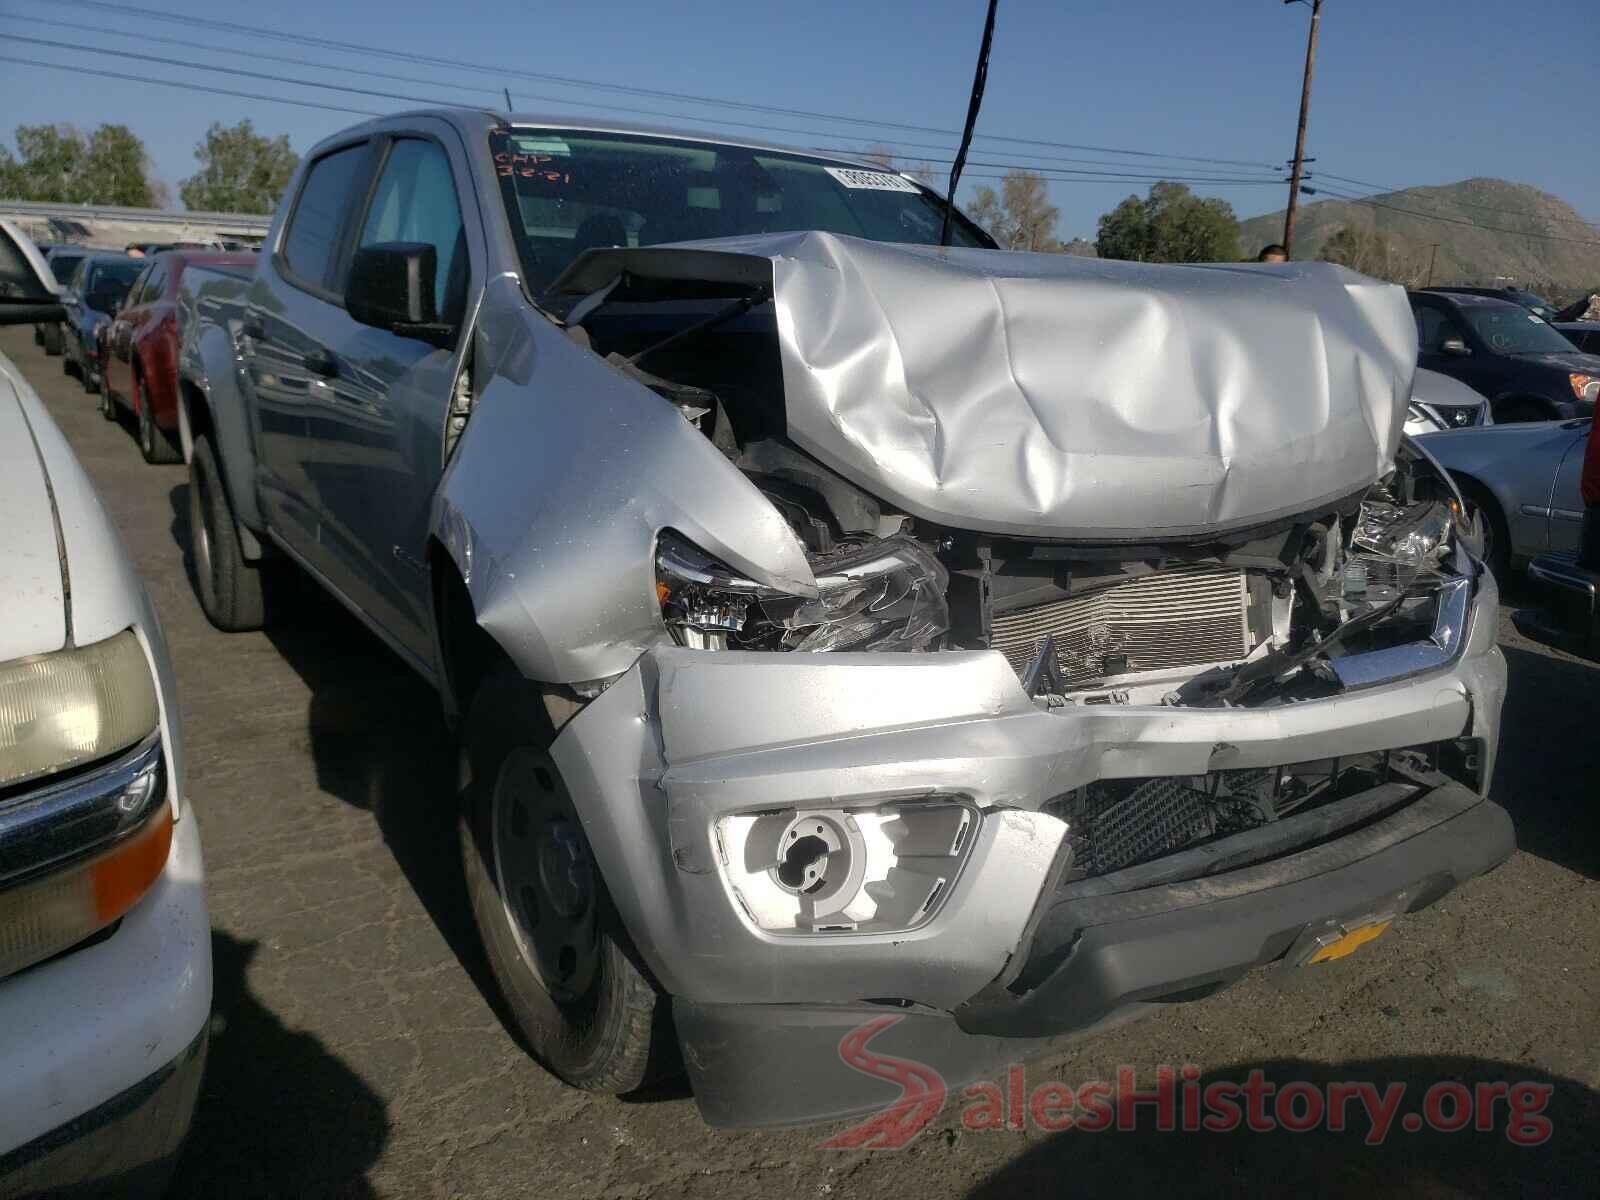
x,y
554,941
1483,511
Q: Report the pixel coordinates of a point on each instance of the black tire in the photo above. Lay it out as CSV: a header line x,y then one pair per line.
x,y
38,335
153,443
594,1021
108,404
69,365
1483,507
90,380
231,590
52,340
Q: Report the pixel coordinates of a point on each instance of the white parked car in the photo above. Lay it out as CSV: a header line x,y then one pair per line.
x,y
105,946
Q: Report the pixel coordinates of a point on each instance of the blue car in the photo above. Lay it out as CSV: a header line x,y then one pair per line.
x,y
93,295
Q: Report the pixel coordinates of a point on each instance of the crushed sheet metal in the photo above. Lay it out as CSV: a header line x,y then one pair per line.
x,y
1060,396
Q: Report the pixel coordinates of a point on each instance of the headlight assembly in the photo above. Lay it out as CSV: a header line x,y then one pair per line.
x,y
72,707
887,595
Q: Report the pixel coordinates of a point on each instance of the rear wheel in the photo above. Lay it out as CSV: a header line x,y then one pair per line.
x,y
50,338
88,376
554,941
231,589
108,404
153,443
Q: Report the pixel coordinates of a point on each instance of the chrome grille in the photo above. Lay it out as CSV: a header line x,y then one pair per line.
x,y
1167,619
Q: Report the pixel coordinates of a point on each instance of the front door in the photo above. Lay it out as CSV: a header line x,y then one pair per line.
x,y
386,404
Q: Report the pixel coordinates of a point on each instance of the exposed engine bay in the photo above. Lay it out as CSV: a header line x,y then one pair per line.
x,y
1363,588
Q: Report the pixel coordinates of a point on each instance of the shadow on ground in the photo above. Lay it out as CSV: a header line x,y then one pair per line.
x,y
278,1115
1550,757
1424,1162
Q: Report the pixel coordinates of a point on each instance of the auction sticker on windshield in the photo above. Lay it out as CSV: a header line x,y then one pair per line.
x,y
871,181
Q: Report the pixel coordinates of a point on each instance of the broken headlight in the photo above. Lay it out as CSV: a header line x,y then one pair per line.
x,y
1406,533
887,595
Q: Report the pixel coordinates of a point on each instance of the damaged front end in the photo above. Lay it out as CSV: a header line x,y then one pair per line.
x,y
1056,645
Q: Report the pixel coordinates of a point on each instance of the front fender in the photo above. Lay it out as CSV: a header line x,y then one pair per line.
x,y
564,476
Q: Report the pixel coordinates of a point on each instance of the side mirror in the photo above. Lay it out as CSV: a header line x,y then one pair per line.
x,y
391,287
27,293
1455,346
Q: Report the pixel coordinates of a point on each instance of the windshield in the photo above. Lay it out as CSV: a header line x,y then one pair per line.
x,y
63,265
1530,300
569,191
1512,330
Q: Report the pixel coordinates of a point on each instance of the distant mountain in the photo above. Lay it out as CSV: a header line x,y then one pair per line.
x,y
1481,226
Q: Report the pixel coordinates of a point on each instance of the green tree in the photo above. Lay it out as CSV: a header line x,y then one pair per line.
x,y
1382,256
1021,216
60,164
1171,224
241,171
117,168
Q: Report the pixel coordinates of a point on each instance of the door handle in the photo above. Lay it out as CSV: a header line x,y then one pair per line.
x,y
320,362
251,328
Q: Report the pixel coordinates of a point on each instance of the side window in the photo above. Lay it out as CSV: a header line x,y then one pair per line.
x,y
155,278
137,290
313,234
415,201
1434,326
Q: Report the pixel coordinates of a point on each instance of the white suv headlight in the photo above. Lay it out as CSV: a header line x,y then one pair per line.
x,y
72,707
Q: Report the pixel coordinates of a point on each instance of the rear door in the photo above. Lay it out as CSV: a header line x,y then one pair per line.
x,y
120,340
386,403
1566,502
289,310
132,322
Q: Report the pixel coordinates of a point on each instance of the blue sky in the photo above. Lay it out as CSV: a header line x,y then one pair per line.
x,y
1425,91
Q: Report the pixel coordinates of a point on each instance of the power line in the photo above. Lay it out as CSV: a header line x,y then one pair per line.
x,y
212,48
1196,173
238,71
1442,220
1063,174
256,32
1381,187
188,87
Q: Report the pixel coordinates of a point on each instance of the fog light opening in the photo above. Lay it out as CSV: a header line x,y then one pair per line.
x,y
805,863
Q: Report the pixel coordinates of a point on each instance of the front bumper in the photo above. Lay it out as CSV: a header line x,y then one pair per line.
x,y
686,737
101,1048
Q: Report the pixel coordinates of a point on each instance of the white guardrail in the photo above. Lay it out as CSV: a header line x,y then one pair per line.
x,y
253,223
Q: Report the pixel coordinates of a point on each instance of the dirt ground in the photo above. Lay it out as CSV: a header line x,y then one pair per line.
x,y
357,1051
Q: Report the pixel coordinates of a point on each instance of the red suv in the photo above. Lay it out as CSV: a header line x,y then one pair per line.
x,y
140,365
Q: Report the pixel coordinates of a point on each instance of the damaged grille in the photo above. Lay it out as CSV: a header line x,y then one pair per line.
x,y
1114,824
1169,619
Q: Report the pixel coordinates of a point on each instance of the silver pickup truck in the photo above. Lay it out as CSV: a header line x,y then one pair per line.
x,y
850,625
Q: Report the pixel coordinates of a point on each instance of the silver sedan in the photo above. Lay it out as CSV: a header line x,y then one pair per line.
x,y
1523,480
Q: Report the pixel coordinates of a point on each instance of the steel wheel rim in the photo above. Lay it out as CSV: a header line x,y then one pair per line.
x,y
146,425
200,533
545,875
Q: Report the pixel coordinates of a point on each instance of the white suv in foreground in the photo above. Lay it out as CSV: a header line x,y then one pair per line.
x,y
105,946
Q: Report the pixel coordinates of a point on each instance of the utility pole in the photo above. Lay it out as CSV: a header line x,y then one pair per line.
x,y
1300,136
1433,253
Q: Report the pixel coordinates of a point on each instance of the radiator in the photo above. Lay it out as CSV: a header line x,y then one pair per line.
x,y
1168,619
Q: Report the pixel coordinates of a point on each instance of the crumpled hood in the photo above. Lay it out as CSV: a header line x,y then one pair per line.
x,y
1067,397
